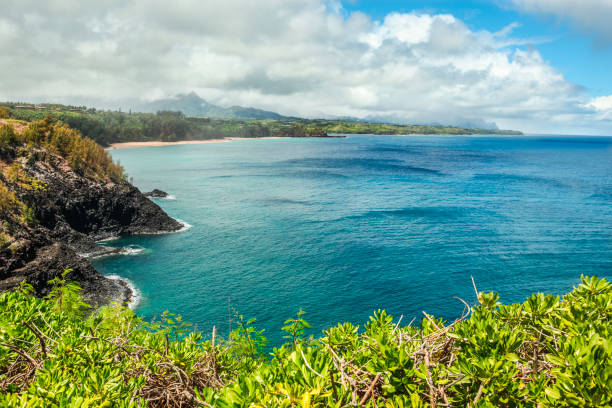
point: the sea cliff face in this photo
(80, 211)
(59, 216)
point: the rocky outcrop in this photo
(156, 194)
(51, 259)
(72, 213)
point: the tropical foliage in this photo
(44, 141)
(548, 351)
(49, 136)
(106, 127)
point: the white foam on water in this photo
(98, 254)
(111, 238)
(136, 296)
(185, 225)
(168, 197)
(132, 250)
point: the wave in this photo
(136, 296)
(104, 251)
(391, 149)
(132, 250)
(281, 201)
(602, 193)
(168, 197)
(111, 238)
(185, 225)
(113, 251)
(357, 164)
(518, 179)
(416, 212)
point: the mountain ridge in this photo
(192, 104)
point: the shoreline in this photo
(127, 145)
(130, 295)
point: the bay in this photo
(341, 227)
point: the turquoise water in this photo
(341, 227)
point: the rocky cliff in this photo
(53, 215)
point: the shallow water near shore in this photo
(341, 227)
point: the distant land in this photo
(181, 122)
(193, 105)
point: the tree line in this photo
(107, 127)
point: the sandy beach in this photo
(125, 145)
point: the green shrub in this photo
(7, 138)
(83, 154)
(5, 240)
(16, 175)
(9, 203)
(545, 352)
(28, 215)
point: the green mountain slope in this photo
(192, 105)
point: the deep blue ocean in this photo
(341, 227)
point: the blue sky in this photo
(540, 66)
(575, 53)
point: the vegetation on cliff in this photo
(59, 194)
(49, 135)
(547, 351)
(41, 141)
(106, 127)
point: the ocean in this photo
(342, 227)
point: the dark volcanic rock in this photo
(73, 212)
(80, 211)
(156, 194)
(53, 259)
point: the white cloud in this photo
(406, 28)
(297, 57)
(593, 16)
(603, 106)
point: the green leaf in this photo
(552, 393)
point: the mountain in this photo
(192, 105)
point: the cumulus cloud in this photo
(298, 57)
(593, 16)
(603, 106)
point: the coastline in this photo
(130, 296)
(127, 145)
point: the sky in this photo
(540, 66)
